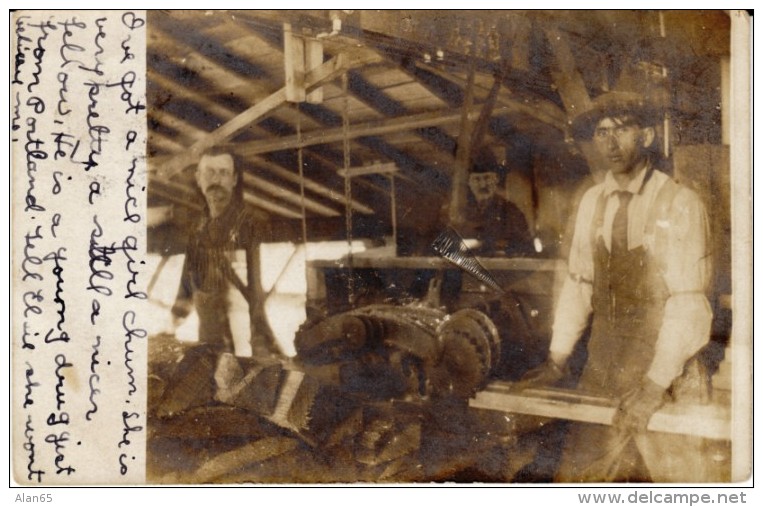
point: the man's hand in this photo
(547, 374)
(178, 314)
(638, 406)
(173, 323)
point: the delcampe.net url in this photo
(658, 497)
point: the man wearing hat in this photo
(639, 268)
(496, 223)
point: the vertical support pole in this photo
(294, 65)
(463, 150)
(567, 78)
(313, 59)
(393, 205)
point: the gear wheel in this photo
(470, 350)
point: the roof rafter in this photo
(311, 185)
(325, 72)
(542, 110)
(195, 60)
(288, 195)
(226, 113)
(371, 128)
(255, 181)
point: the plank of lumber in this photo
(709, 421)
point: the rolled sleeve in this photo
(686, 269)
(571, 316)
(573, 308)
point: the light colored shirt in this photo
(680, 247)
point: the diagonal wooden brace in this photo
(313, 79)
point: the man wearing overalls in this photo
(639, 266)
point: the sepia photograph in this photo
(382, 247)
(386, 244)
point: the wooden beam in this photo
(338, 64)
(541, 110)
(371, 128)
(376, 259)
(159, 163)
(294, 65)
(568, 80)
(183, 91)
(311, 185)
(708, 421)
(388, 168)
(223, 79)
(171, 193)
(313, 59)
(179, 190)
(460, 178)
(364, 182)
(287, 195)
(165, 143)
(181, 124)
(313, 79)
(175, 123)
(271, 206)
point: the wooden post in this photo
(567, 78)
(294, 65)
(463, 151)
(313, 59)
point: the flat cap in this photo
(615, 104)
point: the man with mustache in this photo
(497, 224)
(208, 278)
(639, 269)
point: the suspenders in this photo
(658, 212)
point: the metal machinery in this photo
(379, 393)
(359, 125)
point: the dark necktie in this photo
(620, 223)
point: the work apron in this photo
(629, 296)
